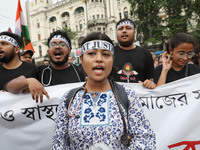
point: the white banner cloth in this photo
(173, 110)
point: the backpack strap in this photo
(120, 91)
(122, 95)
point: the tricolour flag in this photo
(21, 28)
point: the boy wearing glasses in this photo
(58, 72)
(175, 66)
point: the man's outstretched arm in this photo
(21, 83)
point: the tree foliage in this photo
(148, 23)
(154, 27)
(178, 15)
(72, 35)
(196, 8)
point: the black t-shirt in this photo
(133, 65)
(49, 76)
(8, 74)
(173, 75)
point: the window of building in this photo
(102, 16)
(80, 26)
(39, 37)
(64, 24)
(104, 30)
(99, 29)
(52, 19)
(93, 16)
(97, 16)
(79, 10)
(65, 14)
(40, 50)
(126, 14)
(38, 25)
(120, 16)
(131, 13)
(76, 28)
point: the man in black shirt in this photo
(58, 72)
(135, 64)
(11, 66)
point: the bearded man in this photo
(11, 66)
(59, 71)
(135, 64)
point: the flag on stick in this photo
(21, 29)
(9, 30)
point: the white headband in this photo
(60, 37)
(97, 44)
(126, 22)
(9, 39)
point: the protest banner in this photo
(173, 110)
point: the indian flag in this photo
(21, 28)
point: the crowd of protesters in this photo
(102, 62)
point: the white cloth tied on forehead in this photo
(126, 22)
(60, 37)
(9, 39)
(97, 44)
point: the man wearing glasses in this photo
(59, 71)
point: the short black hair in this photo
(125, 19)
(197, 49)
(96, 36)
(14, 36)
(178, 39)
(62, 33)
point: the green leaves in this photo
(72, 35)
(158, 20)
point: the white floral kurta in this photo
(98, 121)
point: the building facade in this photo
(81, 16)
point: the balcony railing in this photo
(95, 22)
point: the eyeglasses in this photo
(53, 45)
(189, 55)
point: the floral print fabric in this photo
(98, 122)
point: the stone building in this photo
(81, 16)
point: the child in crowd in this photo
(175, 62)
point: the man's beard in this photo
(59, 63)
(9, 58)
(126, 44)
